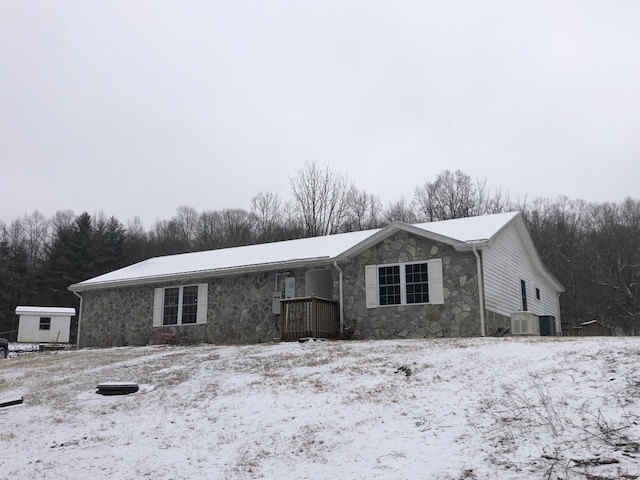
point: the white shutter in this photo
(158, 298)
(371, 285)
(203, 293)
(436, 289)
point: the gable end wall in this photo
(505, 264)
(458, 316)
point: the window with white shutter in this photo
(182, 305)
(409, 283)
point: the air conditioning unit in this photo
(525, 323)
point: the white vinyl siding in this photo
(505, 264)
(201, 309)
(30, 329)
(435, 283)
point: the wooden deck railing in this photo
(309, 317)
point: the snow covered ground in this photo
(418, 409)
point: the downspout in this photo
(480, 290)
(559, 320)
(79, 317)
(335, 264)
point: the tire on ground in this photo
(117, 388)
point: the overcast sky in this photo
(136, 107)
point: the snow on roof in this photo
(591, 322)
(288, 252)
(22, 310)
(274, 253)
(471, 228)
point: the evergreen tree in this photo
(80, 251)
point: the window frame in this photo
(436, 283)
(196, 309)
(45, 324)
(180, 312)
(523, 295)
(402, 272)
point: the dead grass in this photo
(527, 409)
(348, 390)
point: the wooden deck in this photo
(309, 317)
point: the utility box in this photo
(290, 287)
(275, 306)
(547, 325)
(525, 323)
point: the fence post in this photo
(314, 317)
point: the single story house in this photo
(44, 324)
(452, 278)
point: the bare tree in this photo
(321, 197)
(364, 212)
(615, 240)
(292, 225)
(166, 238)
(36, 232)
(266, 213)
(186, 220)
(61, 220)
(230, 227)
(455, 195)
(209, 231)
(17, 234)
(400, 211)
(237, 227)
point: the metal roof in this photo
(53, 311)
(292, 253)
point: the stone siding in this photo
(238, 311)
(239, 306)
(496, 324)
(458, 317)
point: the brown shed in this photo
(594, 328)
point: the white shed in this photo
(44, 324)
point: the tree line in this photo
(592, 248)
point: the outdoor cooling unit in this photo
(525, 323)
(547, 325)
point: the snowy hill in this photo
(421, 409)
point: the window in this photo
(523, 291)
(417, 281)
(45, 323)
(389, 285)
(404, 284)
(537, 294)
(182, 305)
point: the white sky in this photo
(135, 108)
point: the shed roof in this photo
(592, 322)
(292, 253)
(53, 311)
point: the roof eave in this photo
(195, 275)
(470, 245)
(389, 230)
